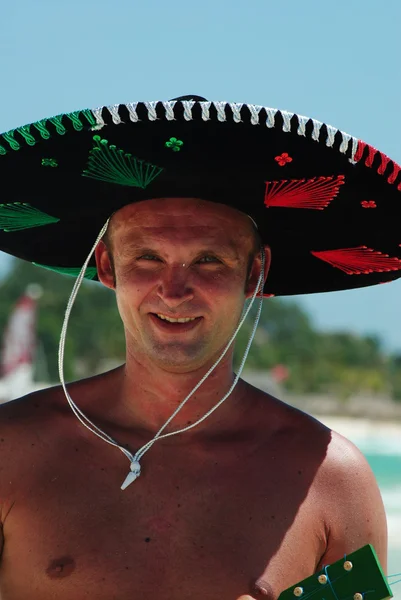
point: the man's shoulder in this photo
(31, 407)
(305, 434)
(288, 418)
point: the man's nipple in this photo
(60, 567)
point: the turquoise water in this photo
(381, 445)
(387, 468)
(384, 456)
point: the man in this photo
(258, 495)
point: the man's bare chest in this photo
(195, 530)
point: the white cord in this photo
(135, 467)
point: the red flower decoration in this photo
(368, 204)
(283, 159)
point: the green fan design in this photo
(108, 163)
(19, 215)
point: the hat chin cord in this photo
(135, 467)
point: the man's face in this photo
(178, 258)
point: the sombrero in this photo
(328, 204)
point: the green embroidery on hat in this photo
(25, 131)
(89, 116)
(174, 144)
(90, 273)
(19, 215)
(41, 127)
(57, 122)
(108, 163)
(49, 162)
(75, 118)
(9, 137)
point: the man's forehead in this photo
(168, 212)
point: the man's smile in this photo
(171, 324)
(176, 320)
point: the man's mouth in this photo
(174, 323)
(180, 320)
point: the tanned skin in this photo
(254, 499)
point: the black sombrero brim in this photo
(328, 205)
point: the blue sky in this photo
(338, 62)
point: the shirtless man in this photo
(252, 500)
(257, 496)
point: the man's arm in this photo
(354, 511)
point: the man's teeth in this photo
(183, 320)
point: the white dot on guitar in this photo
(348, 565)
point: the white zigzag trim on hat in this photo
(270, 117)
(113, 110)
(331, 132)
(97, 113)
(169, 108)
(353, 151)
(345, 143)
(302, 121)
(236, 108)
(151, 106)
(221, 111)
(254, 110)
(131, 107)
(188, 105)
(205, 106)
(286, 120)
(317, 125)
(237, 117)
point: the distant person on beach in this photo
(191, 212)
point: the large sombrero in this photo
(328, 204)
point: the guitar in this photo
(358, 576)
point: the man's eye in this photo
(208, 259)
(148, 257)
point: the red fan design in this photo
(316, 193)
(360, 260)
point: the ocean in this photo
(381, 445)
(386, 464)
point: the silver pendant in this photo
(135, 471)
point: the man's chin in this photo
(179, 358)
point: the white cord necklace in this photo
(135, 467)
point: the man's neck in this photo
(147, 395)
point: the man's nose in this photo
(174, 287)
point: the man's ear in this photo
(105, 271)
(255, 272)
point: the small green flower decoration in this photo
(49, 162)
(174, 144)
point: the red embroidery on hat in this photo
(360, 260)
(384, 161)
(359, 151)
(283, 159)
(368, 204)
(394, 174)
(314, 193)
(383, 166)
